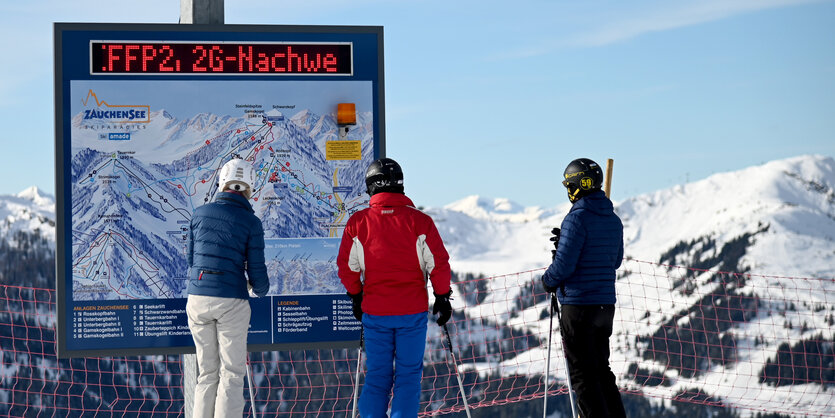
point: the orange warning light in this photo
(346, 114)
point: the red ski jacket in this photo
(396, 248)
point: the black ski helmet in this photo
(582, 177)
(384, 175)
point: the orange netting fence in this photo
(758, 344)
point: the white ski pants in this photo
(219, 328)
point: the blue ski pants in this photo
(397, 339)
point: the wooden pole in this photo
(607, 187)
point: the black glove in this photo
(443, 306)
(356, 305)
(556, 240)
(549, 289)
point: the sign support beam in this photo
(201, 12)
(209, 12)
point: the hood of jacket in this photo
(236, 199)
(596, 202)
(390, 199)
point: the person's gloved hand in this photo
(250, 291)
(556, 240)
(549, 289)
(356, 305)
(443, 306)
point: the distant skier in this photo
(226, 240)
(589, 248)
(396, 248)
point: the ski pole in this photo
(251, 390)
(357, 378)
(457, 375)
(548, 361)
(556, 306)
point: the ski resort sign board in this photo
(145, 116)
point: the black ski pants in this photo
(586, 330)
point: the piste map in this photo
(145, 155)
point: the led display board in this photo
(109, 57)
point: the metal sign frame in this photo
(72, 63)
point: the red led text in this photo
(225, 58)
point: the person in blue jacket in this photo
(589, 248)
(226, 244)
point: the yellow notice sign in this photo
(343, 150)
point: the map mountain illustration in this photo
(134, 188)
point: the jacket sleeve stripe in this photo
(425, 256)
(356, 259)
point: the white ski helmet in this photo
(237, 175)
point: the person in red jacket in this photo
(386, 255)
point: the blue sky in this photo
(496, 98)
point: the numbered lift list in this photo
(274, 320)
(122, 325)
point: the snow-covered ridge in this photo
(38, 197)
(498, 209)
(792, 199)
(30, 210)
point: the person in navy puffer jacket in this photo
(589, 248)
(226, 243)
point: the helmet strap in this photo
(573, 196)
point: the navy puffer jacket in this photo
(224, 235)
(589, 252)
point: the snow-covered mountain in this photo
(31, 211)
(785, 207)
(27, 240)
(727, 335)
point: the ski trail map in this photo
(145, 154)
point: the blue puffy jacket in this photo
(589, 251)
(225, 239)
